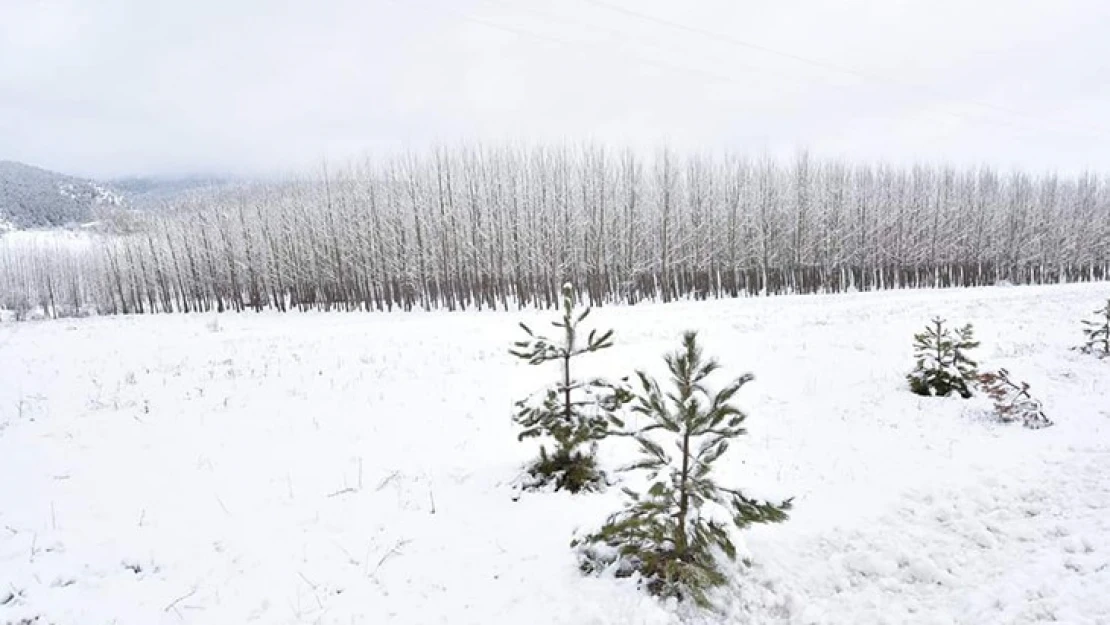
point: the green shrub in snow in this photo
(1097, 333)
(943, 364)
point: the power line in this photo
(576, 47)
(809, 61)
(686, 70)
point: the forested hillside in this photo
(32, 198)
(505, 227)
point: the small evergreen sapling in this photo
(1012, 401)
(1097, 333)
(943, 364)
(674, 534)
(573, 413)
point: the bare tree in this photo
(491, 228)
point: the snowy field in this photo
(55, 238)
(358, 468)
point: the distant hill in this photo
(31, 197)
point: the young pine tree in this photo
(943, 364)
(674, 534)
(1097, 333)
(1012, 401)
(573, 413)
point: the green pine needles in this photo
(673, 535)
(572, 413)
(943, 365)
(1097, 333)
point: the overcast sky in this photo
(123, 87)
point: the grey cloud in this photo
(134, 87)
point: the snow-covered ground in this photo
(357, 468)
(55, 238)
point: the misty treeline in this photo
(506, 227)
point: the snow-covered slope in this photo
(32, 197)
(348, 468)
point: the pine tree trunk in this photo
(683, 497)
(566, 388)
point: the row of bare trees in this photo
(499, 228)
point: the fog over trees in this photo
(470, 228)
